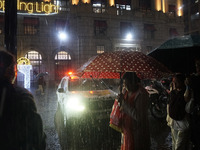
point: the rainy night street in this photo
(103, 74)
(47, 104)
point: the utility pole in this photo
(11, 26)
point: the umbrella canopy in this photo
(41, 74)
(181, 42)
(111, 65)
(179, 53)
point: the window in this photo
(63, 4)
(62, 64)
(36, 62)
(62, 55)
(100, 27)
(149, 48)
(98, 6)
(1, 24)
(172, 10)
(194, 9)
(122, 5)
(61, 25)
(145, 4)
(34, 57)
(149, 30)
(173, 32)
(125, 28)
(100, 49)
(31, 26)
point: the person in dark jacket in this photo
(192, 94)
(21, 127)
(41, 85)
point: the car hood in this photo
(95, 94)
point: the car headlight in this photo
(74, 103)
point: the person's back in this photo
(41, 80)
(195, 85)
(195, 111)
(178, 118)
(20, 125)
(177, 105)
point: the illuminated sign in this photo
(23, 66)
(23, 61)
(33, 7)
(25, 69)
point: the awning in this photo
(149, 27)
(172, 8)
(31, 21)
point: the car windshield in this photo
(86, 85)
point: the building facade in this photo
(191, 11)
(59, 36)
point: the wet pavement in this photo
(47, 105)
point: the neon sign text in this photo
(33, 7)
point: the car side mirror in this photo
(61, 90)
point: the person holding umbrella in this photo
(41, 84)
(134, 108)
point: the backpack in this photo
(177, 105)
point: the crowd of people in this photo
(21, 127)
(183, 112)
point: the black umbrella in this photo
(179, 53)
(42, 74)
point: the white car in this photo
(83, 112)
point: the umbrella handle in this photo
(120, 89)
(121, 85)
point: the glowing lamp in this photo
(62, 36)
(91, 92)
(74, 104)
(129, 36)
(69, 73)
(25, 69)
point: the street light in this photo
(129, 36)
(62, 36)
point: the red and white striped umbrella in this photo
(110, 65)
